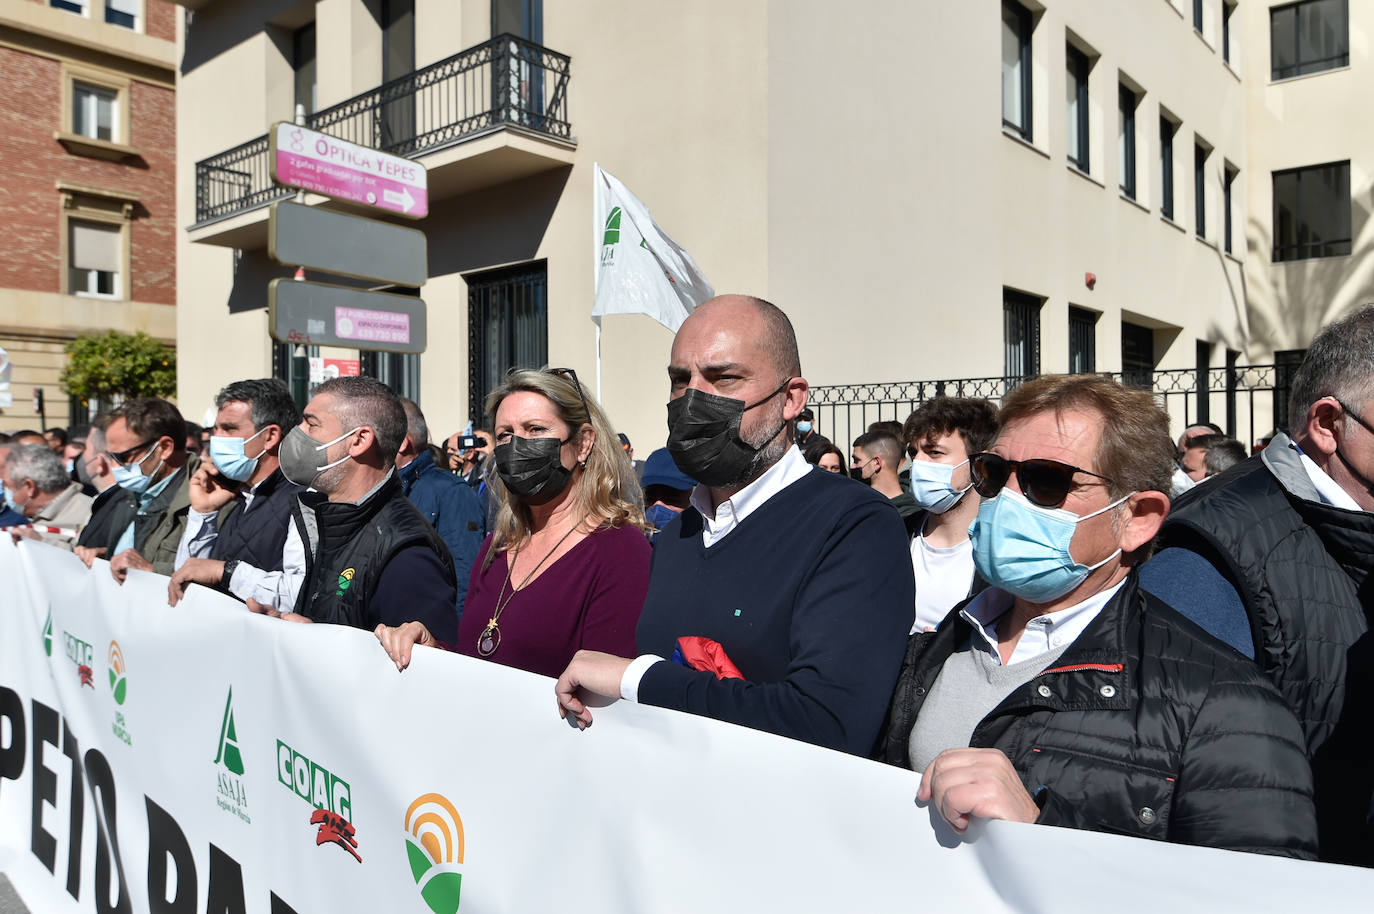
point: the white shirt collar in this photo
(1043, 633)
(1327, 490)
(730, 513)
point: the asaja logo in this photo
(232, 798)
(345, 579)
(47, 634)
(118, 684)
(434, 844)
(612, 227)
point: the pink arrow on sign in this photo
(314, 161)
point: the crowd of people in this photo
(1048, 607)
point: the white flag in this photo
(639, 269)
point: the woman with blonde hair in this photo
(566, 565)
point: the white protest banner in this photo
(205, 759)
(639, 268)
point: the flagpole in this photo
(600, 397)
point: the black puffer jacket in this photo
(1145, 726)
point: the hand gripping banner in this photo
(203, 758)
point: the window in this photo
(123, 13)
(94, 256)
(508, 327)
(1021, 334)
(71, 6)
(1286, 364)
(1082, 341)
(1200, 153)
(1309, 37)
(1166, 167)
(398, 60)
(398, 370)
(1227, 201)
(303, 62)
(95, 112)
(1077, 99)
(1312, 212)
(521, 18)
(1202, 386)
(1197, 16)
(1125, 139)
(1137, 356)
(1016, 69)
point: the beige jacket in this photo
(70, 509)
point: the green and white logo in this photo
(47, 634)
(612, 227)
(435, 845)
(232, 797)
(119, 687)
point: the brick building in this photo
(87, 200)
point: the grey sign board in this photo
(307, 236)
(320, 314)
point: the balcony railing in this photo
(504, 82)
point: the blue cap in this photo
(660, 470)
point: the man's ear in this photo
(363, 439)
(1320, 431)
(795, 397)
(1147, 511)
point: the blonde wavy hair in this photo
(605, 492)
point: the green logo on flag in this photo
(612, 227)
(435, 845)
(118, 683)
(47, 634)
(228, 753)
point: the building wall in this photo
(1308, 120)
(40, 48)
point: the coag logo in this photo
(434, 844)
(118, 684)
(345, 579)
(82, 654)
(328, 793)
(47, 634)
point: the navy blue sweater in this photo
(811, 597)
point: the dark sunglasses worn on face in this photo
(123, 457)
(1045, 483)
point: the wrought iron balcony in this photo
(504, 83)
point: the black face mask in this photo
(704, 439)
(856, 473)
(531, 468)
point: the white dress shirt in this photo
(1043, 633)
(718, 524)
(1330, 493)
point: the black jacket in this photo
(347, 546)
(1301, 568)
(256, 533)
(1145, 726)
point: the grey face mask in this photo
(303, 458)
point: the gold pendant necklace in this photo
(490, 639)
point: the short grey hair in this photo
(416, 427)
(39, 463)
(366, 401)
(1340, 364)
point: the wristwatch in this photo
(224, 578)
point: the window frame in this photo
(1085, 321)
(1168, 129)
(1230, 173)
(1126, 140)
(97, 207)
(66, 7)
(141, 9)
(1201, 153)
(1025, 39)
(1077, 66)
(1300, 67)
(120, 145)
(1227, 10)
(1018, 304)
(1348, 241)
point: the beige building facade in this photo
(845, 161)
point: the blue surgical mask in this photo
(659, 516)
(1024, 548)
(804, 428)
(8, 495)
(131, 477)
(932, 485)
(227, 455)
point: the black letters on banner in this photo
(12, 756)
(78, 812)
(280, 907)
(226, 884)
(43, 845)
(101, 778)
(166, 839)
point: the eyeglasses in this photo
(1044, 482)
(1354, 415)
(123, 457)
(573, 376)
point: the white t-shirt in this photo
(943, 577)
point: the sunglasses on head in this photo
(1045, 483)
